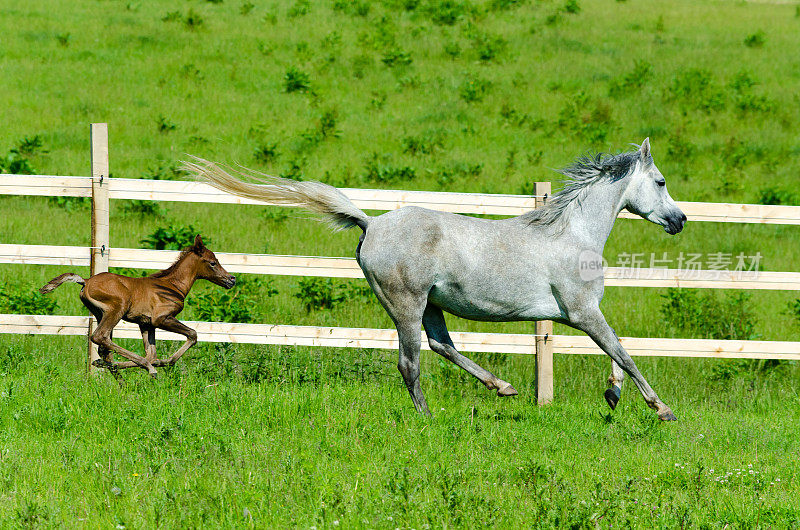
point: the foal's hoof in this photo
(667, 415)
(507, 391)
(153, 374)
(612, 396)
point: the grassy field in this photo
(482, 96)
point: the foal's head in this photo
(208, 267)
(647, 194)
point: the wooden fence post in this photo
(544, 329)
(100, 217)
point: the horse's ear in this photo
(198, 244)
(644, 150)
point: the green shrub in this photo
(30, 146)
(299, 8)
(63, 39)
(396, 58)
(708, 316)
(142, 208)
(172, 238)
(70, 204)
(632, 81)
(163, 171)
(25, 301)
(325, 293)
(238, 304)
(266, 153)
(590, 121)
(775, 195)
(474, 89)
(378, 170)
(488, 47)
(679, 148)
(755, 40)
(697, 89)
(445, 12)
(193, 21)
(296, 81)
(164, 125)
(319, 293)
(572, 7)
(16, 164)
(425, 144)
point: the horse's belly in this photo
(494, 306)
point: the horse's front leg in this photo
(174, 325)
(614, 391)
(594, 324)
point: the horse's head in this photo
(209, 268)
(647, 195)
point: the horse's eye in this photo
(661, 182)
(213, 264)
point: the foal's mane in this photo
(578, 177)
(169, 270)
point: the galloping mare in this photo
(422, 262)
(152, 302)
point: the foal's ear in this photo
(644, 150)
(198, 246)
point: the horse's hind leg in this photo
(440, 342)
(410, 335)
(406, 310)
(614, 390)
(106, 359)
(102, 337)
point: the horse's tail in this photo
(318, 197)
(58, 280)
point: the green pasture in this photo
(451, 95)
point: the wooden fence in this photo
(101, 255)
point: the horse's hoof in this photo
(667, 415)
(612, 396)
(507, 391)
(154, 374)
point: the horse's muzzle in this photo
(230, 281)
(675, 223)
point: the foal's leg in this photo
(614, 390)
(102, 337)
(174, 325)
(149, 340)
(106, 359)
(440, 342)
(594, 324)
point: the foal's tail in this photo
(318, 197)
(58, 280)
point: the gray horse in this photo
(422, 262)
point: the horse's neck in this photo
(593, 218)
(184, 274)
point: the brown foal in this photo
(152, 302)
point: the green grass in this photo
(389, 94)
(319, 440)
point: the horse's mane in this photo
(169, 270)
(578, 177)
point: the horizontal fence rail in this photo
(348, 267)
(470, 203)
(278, 334)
